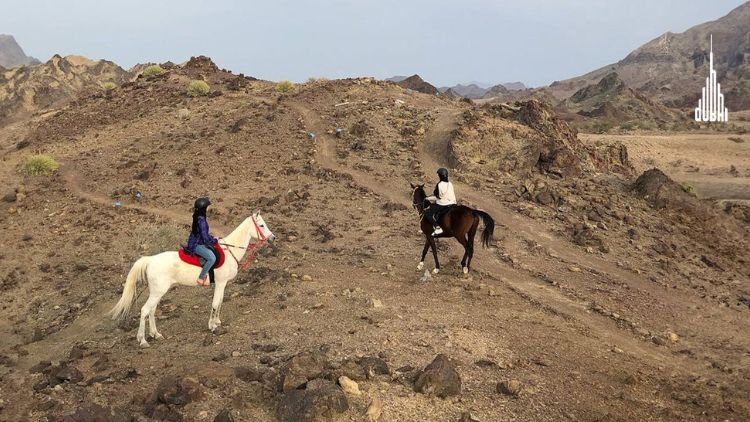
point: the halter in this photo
(252, 248)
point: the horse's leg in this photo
(213, 320)
(433, 245)
(424, 251)
(470, 244)
(461, 237)
(151, 302)
(152, 319)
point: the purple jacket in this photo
(203, 237)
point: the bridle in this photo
(252, 248)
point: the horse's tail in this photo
(489, 227)
(136, 274)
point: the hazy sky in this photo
(445, 41)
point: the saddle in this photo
(438, 211)
(443, 209)
(196, 260)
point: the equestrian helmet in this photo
(202, 203)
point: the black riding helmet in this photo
(202, 203)
(443, 174)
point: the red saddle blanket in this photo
(195, 259)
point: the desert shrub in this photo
(284, 86)
(153, 70)
(314, 79)
(41, 165)
(602, 126)
(689, 189)
(198, 88)
(108, 86)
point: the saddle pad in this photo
(195, 259)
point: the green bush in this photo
(314, 79)
(41, 165)
(689, 189)
(198, 88)
(284, 86)
(108, 86)
(153, 70)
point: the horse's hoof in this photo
(420, 266)
(436, 270)
(145, 345)
(158, 336)
(466, 270)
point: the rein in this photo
(418, 207)
(252, 247)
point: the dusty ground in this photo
(717, 166)
(630, 331)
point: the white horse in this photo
(166, 269)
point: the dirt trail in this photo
(326, 156)
(72, 181)
(533, 290)
(436, 145)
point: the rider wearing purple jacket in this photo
(200, 241)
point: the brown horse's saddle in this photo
(436, 212)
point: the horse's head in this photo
(264, 229)
(418, 197)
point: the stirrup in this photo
(438, 231)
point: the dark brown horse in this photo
(460, 222)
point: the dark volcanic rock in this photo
(69, 374)
(321, 399)
(95, 413)
(301, 369)
(177, 391)
(373, 366)
(439, 378)
(416, 83)
(224, 416)
(248, 374)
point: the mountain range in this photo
(11, 54)
(672, 67)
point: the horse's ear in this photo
(422, 185)
(256, 213)
(413, 186)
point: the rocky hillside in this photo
(611, 103)
(30, 89)
(672, 68)
(11, 54)
(416, 83)
(523, 138)
(474, 91)
(576, 311)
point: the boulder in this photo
(302, 368)
(509, 387)
(373, 366)
(320, 399)
(177, 391)
(93, 412)
(439, 378)
(224, 416)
